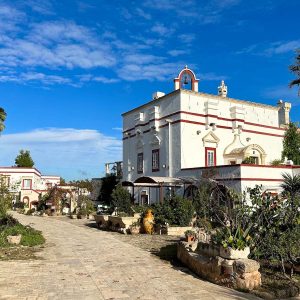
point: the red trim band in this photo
(204, 116)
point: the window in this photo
(49, 185)
(140, 163)
(155, 160)
(210, 157)
(27, 184)
(254, 160)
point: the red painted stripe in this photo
(204, 116)
(243, 165)
(248, 179)
(218, 126)
(232, 120)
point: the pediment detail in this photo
(210, 138)
(155, 140)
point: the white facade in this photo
(192, 130)
(29, 183)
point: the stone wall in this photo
(205, 261)
(177, 230)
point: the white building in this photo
(181, 134)
(27, 183)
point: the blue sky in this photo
(68, 68)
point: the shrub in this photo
(276, 230)
(276, 162)
(202, 199)
(121, 200)
(89, 206)
(5, 197)
(174, 211)
(8, 220)
(19, 204)
(249, 160)
(30, 211)
(203, 223)
(30, 236)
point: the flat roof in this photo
(247, 102)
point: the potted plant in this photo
(190, 236)
(234, 242)
(135, 227)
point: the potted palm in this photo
(190, 236)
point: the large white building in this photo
(27, 183)
(181, 134)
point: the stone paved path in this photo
(80, 262)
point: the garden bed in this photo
(275, 285)
(29, 242)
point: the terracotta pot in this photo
(148, 222)
(135, 229)
(190, 238)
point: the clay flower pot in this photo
(134, 229)
(190, 238)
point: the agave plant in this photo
(235, 238)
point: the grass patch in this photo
(10, 226)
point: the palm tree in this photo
(291, 185)
(296, 70)
(2, 118)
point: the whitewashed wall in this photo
(190, 115)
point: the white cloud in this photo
(161, 29)
(211, 76)
(160, 72)
(247, 50)
(274, 48)
(105, 79)
(118, 128)
(56, 45)
(34, 77)
(282, 92)
(143, 14)
(9, 18)
(41, 6)
(283, 47)
(177, 52)
(63, 151)
(142, 59)
(202, 12)
(187, 38)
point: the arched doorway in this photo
(26, 201)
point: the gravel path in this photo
(81, 262)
